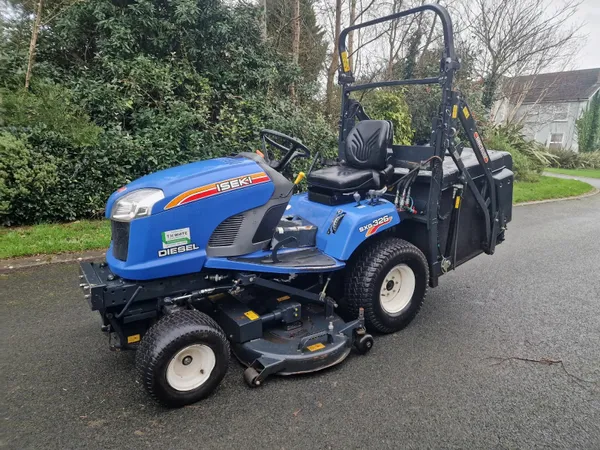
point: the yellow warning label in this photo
(133, 338)
(454, 111)
(466, 112)
(457, 202)
(283, 299)
(345, 62)
(315, 347)
(251, 315)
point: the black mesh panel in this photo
(120, 239)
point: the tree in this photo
(39, 13)
(263, 20)
(33, 42)
(282, 22)
(516, 37)
(295, 43)
(588, 126)
(334, 60)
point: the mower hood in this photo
(197, 177)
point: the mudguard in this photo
(358, 222)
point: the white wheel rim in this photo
(191, 367)
(397, 289)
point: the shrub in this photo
(529, 159)
(567, 159)
(391, 105)
(25, 179)
(48, 107)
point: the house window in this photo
(560, 113)
(556, 140)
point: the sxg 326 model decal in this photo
(372, 227)
(216, 188)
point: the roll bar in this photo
(345, 69)
(453, 108)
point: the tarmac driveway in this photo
(463, 375)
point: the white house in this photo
(548, 105)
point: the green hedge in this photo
(45, 177)
(124, 89)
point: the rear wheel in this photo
(389, 280)
(182, 358)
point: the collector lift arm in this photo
(486, 198)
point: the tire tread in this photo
(360, 281)
(155, 342)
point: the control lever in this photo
(374, 195)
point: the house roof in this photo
(557, 87)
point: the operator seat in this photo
(364, 163)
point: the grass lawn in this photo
(54, 238)
(590, 173)
(95, 234)
(547, 188)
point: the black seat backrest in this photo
(367, 144)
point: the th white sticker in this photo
(174, 238)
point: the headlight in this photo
(135, 204)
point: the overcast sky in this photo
(589, 14)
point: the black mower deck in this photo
(306, 347)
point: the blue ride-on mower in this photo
(222, 256)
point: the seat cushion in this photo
(343, 179)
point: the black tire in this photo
(367, 273)
(165, 340)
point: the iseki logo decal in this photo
(234, 184)
(372, 227)
(217, 188)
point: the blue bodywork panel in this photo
(359, 223)
(201, 216)
(180, 179)
(196, 201)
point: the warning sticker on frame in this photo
(345, 62)
(481, 147)
(315, 347)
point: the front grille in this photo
(225, 234)
(120, 239)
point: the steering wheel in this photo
(295, 148)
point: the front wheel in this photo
(389, 280)
(182, 358)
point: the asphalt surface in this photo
(452, 379)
